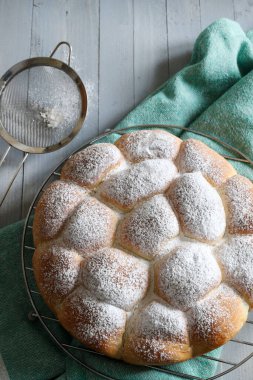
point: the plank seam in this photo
(23, 169)
(134, 92)
(167, 32)
(99, 38)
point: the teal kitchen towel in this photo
(212, 93)
(222, 55)
(27, 351)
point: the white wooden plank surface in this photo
(244, 14)
(116, 68)
(215, 9)
(15, 32)
(183, 28)
(122, 50)
(77, 22)
(151, 58)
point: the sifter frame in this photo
(32, 294)
(13, 142)
(56, 64)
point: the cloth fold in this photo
(211, 94)
(222, 55)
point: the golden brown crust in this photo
(97, 325)
(216, 319)
(157, 335)
(235, 257)
(117, 287)
(237, 193)
(90, 166)
(136, 351)
(91, 227)
(54, 207)
(56, 271)
(146, 230)
(196, 156)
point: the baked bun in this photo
(237, 194)
(54, 208)
(91, 226)
(196, 156)
(144, 248)
(146, 230)
(198, 206)
(117, 287)
(57, 272)
(236, 260)
(139, 182)
(216, 319)
(158, 334)
(100, 326)
(188, 274)
(90, 166)
(142, 145)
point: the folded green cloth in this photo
(212, 94)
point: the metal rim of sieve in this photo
(12, 141)
(57, 64)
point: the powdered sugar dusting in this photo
(106, 275)
(140, 181)
(96, 322)
(187, 275)
(159, 321)
(158, 335)
(55, 206)
(196, 156)
(92, 226)
(159, 351)
(199, 207)
(175, 289)
(236, 258)
(59, 270)
(148, 227)
(141, 145)
(212, 316)
(90, 166)
(238, 193)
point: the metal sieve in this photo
(43, 104)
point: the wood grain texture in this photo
(123, 50)
(151, 58)
(183, 28)
(77, 22)
(215, 9)
(15, 31)
(244, 13)
(116, 68)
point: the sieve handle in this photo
(58, 45)
(5, 155)
(15, 174)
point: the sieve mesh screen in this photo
(40, 106)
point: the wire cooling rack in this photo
(234, 353)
